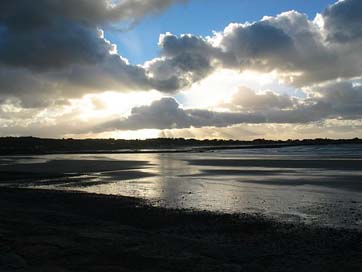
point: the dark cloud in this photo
(37, 89)
(167, 114)
(51, 34)
(258, 41)
(22, 15)
(62, 45)
(186, 59)
(56, 49)
(341, 99)
(343, 21)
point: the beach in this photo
(317, 185)
(288, 209)
(66, 231)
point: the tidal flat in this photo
(284, 209)
(71, 231)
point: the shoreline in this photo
(182, 149)
(43, 230)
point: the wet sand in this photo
(277, 208)
(320, 186)
(330, 164)
(70, 172)
(67, 231)
(63, 167)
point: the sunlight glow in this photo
(119, 134)
(222, 84)
(108, 105)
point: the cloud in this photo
(302, 52)
(335, 100)
(336, 129)
(167, 114)
(163, 113)
(186, 59)
(62, 52)
(56, 49)
(51, 34)
(341, 99)
(343, 21)
(249, 100)
(24, 15)
(51, 51)
(35, 89)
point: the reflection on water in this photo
(308, 184)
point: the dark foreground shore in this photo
(59, 231)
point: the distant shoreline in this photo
(39, 146)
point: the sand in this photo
(59, 171)
(290, 187)
(67, 231)
(332, 164)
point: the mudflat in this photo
(43, 230)
(317, 163)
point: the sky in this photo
(200, 17)
(233, 69)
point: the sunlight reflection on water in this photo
(326, 195)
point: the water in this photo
(312, 184)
